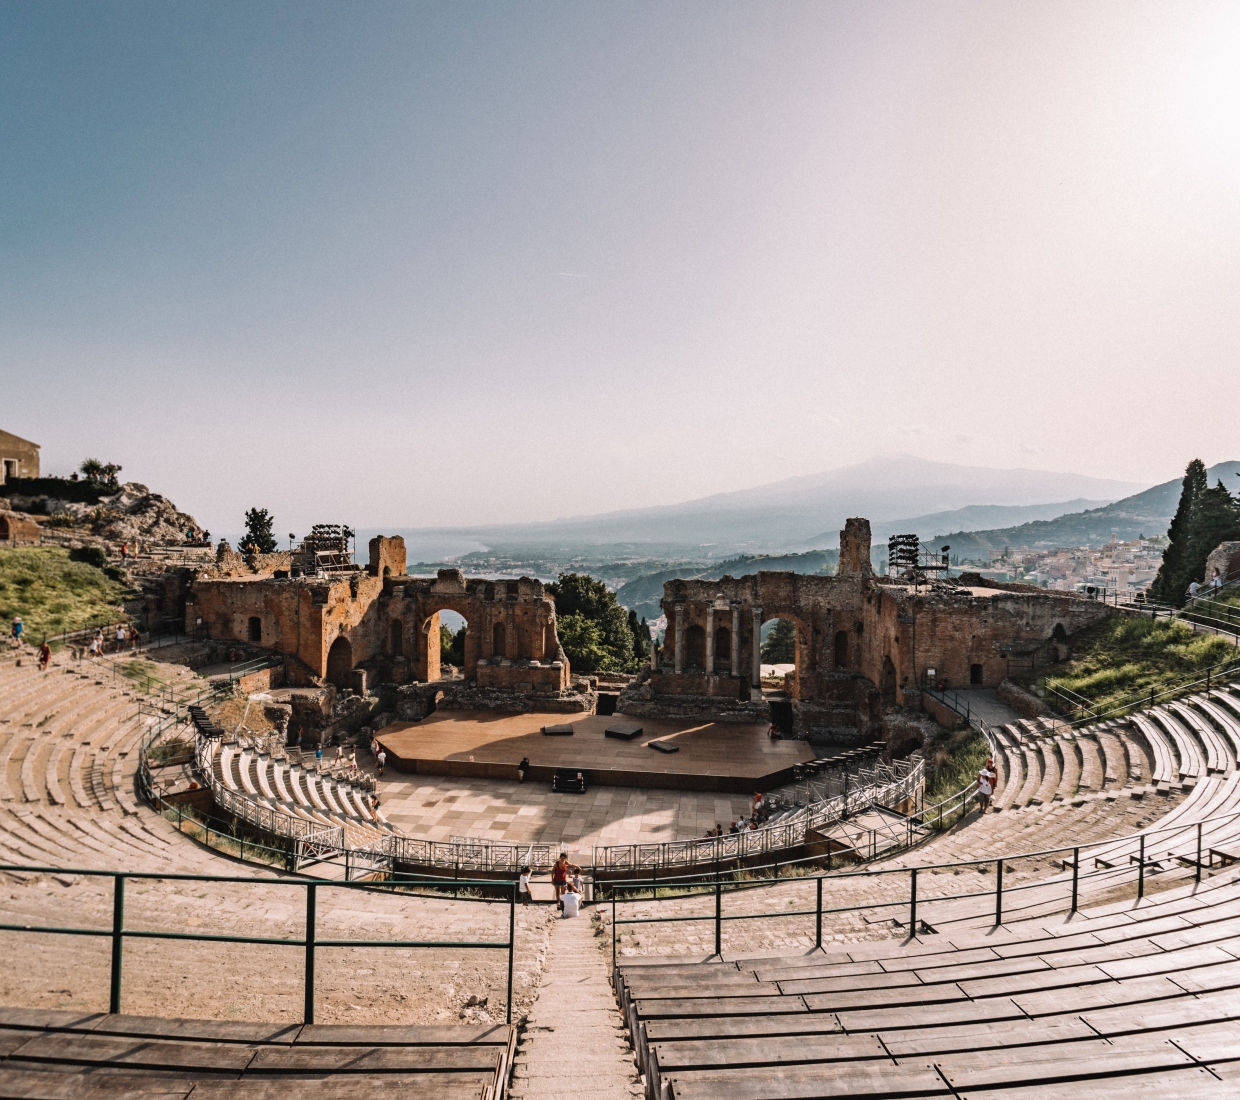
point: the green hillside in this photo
(52, 593)
(1148, 513)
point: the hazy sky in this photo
(463, 263)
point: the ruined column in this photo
(680, 638)
(510, 632)
(710, 639)
(736, 640)
(756, 670)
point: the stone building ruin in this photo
(864, 644)
(352, 627)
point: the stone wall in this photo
(1226, 559)
(385, 622)
(864, 644)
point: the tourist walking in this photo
(985, 786)
(121, 637)
(45, 656)
(523, 886)
(17, 628)
(133, 637)
(523, 769)
(381, 759)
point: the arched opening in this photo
(887, 683)
(398, 638)
(256, 629)
(340, 663)
(723, 650)
(841, 649)
(695, 648)
(453, 633)
(977, 675)
(779, 650)
(499, 640)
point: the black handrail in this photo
(309, 940)
(1102, 869)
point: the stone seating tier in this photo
(59, 1053)
(1091, 1006)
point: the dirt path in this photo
(575, 1042)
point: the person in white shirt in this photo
(571, 902)
(523, 886)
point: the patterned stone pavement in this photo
(438, 808)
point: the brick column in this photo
(680, 638)
(710, 640)
(736, 640)
(756, 664)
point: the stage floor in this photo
(712, 756)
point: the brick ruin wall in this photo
(386, 622)
(864, 645)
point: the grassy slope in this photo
(1125, 656)
(52, 593)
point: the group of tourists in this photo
(566, 881)
(1216, 582)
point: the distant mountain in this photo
(642, 594)
(976, 517)
(1147, 513)
(789, 515)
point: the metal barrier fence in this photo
(1116, 862)
(891, 785)
(310, 941)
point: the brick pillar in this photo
(736, 640)
(680, 638)
(710, 640)
(756, 663)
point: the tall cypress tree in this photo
(1173, 574)
(1215, 519)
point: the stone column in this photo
(680, 638)
(654, 655)
(510, 633)
(756, 669)
(710, 639)
(736, 640)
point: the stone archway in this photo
(340, 663)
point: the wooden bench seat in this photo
(73, 1054)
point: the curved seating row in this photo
(1099, 1001)
(297, 790)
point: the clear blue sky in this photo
(434, 264)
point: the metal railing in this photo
(309, 940)
(1206, 679)
(1181, 845)
(890, 785)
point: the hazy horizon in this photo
(446, 265)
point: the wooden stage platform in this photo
(713, 756)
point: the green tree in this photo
(641, 638)
(258, 536)
(452, 646)
(780, 647)
(92, 469)
(578, 594)
(584, 644)
(1215, 519)
(1173, 574)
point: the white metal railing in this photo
(258, 814)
